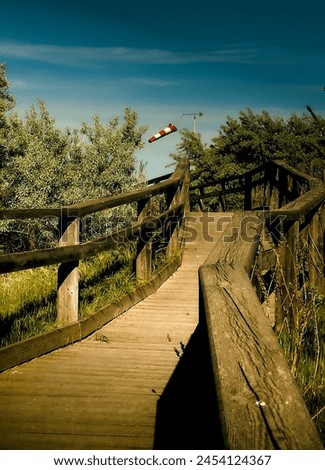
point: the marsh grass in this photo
(302, 332)
(305, 352)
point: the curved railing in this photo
(259, 403)
(282, 209)
(173, 187)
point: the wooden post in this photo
(144, 246)
(274, 192)
(248, 193)
(283, 186)
(173, 228)
(222, 199)
(286, 276)
(185, 198)
(68, 275)
(316, 260)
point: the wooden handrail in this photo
(91, 206)
(268, 183)
(62, 254)
(259, 404)
(69, 251)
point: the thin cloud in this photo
(85, 56)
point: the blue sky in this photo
(164, 60)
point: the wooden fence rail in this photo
(69, 250)
(260, 405)
(294, 214)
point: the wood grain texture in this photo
(104, 392)
(260, 405)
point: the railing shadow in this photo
(187, 411)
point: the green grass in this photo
(305, 353)
(28, 298)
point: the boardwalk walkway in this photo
(128, 386)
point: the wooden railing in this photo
(260, 405)
(168, 221)
(294, 216)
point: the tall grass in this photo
(301, 333)
(305, 352)
(28, 298)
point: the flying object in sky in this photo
(168, 130)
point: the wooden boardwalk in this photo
(141, 382)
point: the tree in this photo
(102, 163)
(192, 148)
(48, 167)
(102, 158)
(252, 139)
(7, 102)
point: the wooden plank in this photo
(33, 347)
(39, 441)
(96, 394)
(260, 405)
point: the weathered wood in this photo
(301, 206)
(239, 241)
(260, 405)
(36, 258)
(315, 243)
(144, 245)
(248, 193)
(286, 277)
(172, 226)
(104, 392)
(36, 346)
(68, 275)
(6, 214)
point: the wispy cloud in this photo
(84, 56)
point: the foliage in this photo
(7, 102)
(48, 167)
(305, 352)
(252, 139)
(301, 328)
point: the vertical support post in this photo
(283, 185)
(315, 241)
(173, 228)
(200, 203)
(222, 199)
(267, 187)
(185, 198)
(68, 274)
(144, 246)
(274, 192)
(248, 193)
(287, 281)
